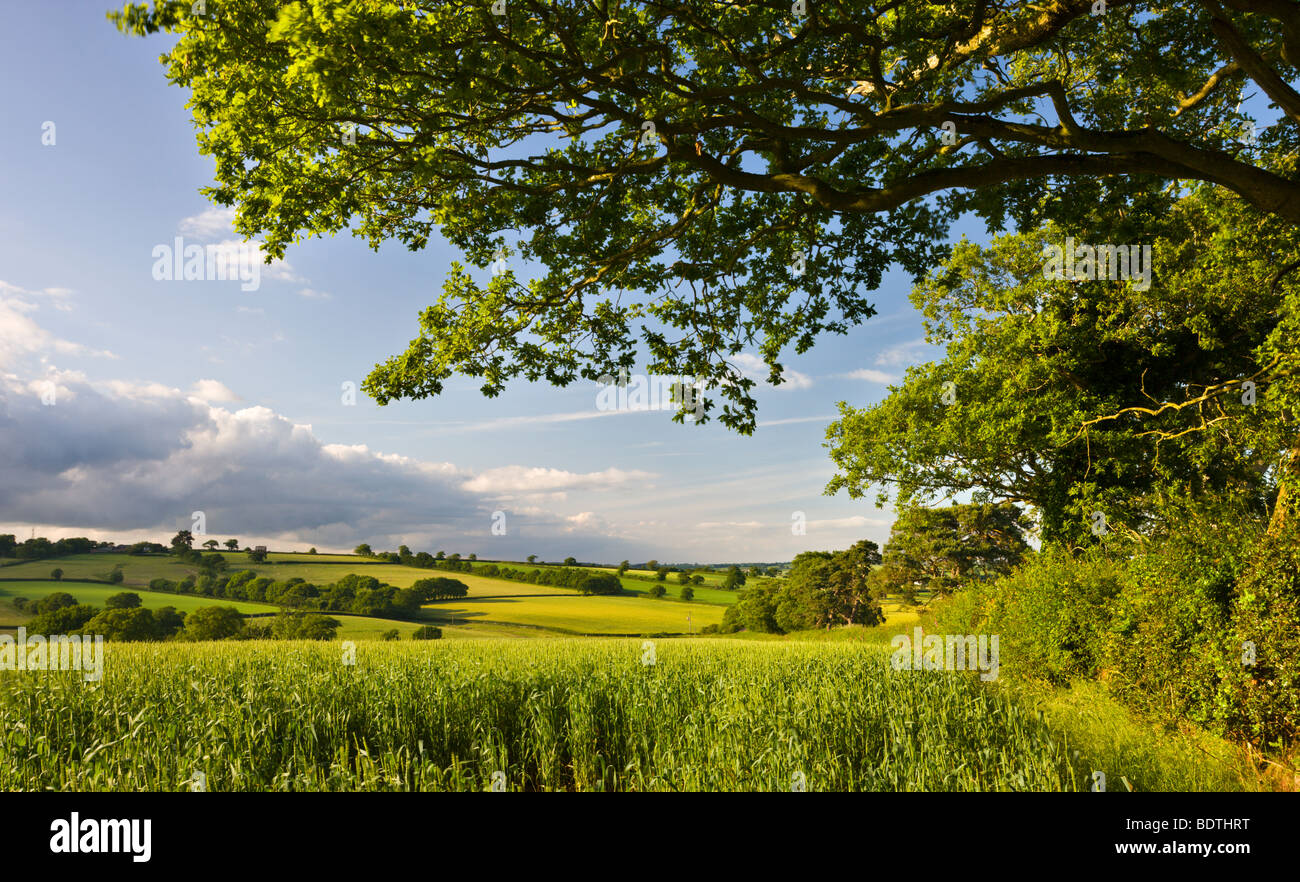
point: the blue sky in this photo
(173, 397)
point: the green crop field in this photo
(584, 615)
(538, 715)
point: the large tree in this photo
(1067, 396)
(692, 179)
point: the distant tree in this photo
(214, 564)
(697, 579)
(213, 623)
(303, 626)
(54, 600)
(68, 619)
(773, 571)
(183, 540)
(661, 573)
(623, 567)
(391, 634)
(942, 549)
(570, 561)
(427, 632)
(211, 544)
(256, 556)
(683, 578)
(441, 555)
(440, 588)
(532, 558)
(123, 600)
(311, 550)
(755, 572)
(56, 574)
(652, 564)
(123, 624)
(363, 550)
(473, 557)
(232, 544)
(601, 583)
(656, 591)
(7, 544)
(735, 579)
(116, 576)
(167, 621)
(688, 593)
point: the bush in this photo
(656, 591)
(1050, 615)
(123, 600)
(688, 593)
(1262, 701)
(392, 634)
(56, 574)
(427, 632)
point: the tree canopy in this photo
(693, 179)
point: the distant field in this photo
(585, 615)
(703, 593)
(138, 570)
(492, 599)
(96, 595)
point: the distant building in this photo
(261, 548)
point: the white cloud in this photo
(209, 223)
(21, 336)
(755, 368)
(312, 294)
(792, 420)
(855, 521)
(870, 375)
(903, 354)
(213, 392)
(522, 479)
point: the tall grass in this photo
(564, 715)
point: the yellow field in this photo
(584, 615)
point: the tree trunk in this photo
(1288, 495)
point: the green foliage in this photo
(427, 632)
(1050, 615)
(213, 623)
(655, 591)
(56, 574)
(63, 619)
(601, 583)
(942, 549)
(303, 626)
(1263, 697)
(1041, 371)
(123, 600)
